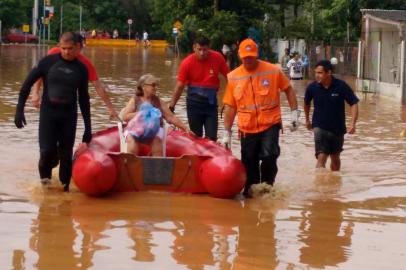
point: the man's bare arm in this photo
(306, 109)
(101, 91)
(177, 92)
(229, 116)
(354, 118)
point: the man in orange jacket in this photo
(253, 95)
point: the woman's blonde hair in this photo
(144, 79)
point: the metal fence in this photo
(345, 52)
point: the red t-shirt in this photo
(203, 73)
(89, 66)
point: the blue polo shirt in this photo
(329, 106)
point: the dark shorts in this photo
(327, 142)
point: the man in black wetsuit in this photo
(65, 82)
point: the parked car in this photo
(17, 36)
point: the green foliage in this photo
(191, 26)
(224, 21)
(298, 28)
(223, 28)
(15, 13)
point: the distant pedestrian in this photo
(145, 39)
(285, 58)
(284, 61)
(295, 66)
(306, 64)
(227, 54)
(115, 34)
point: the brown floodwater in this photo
(313, 219)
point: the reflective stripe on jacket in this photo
(256, 96)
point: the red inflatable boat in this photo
(192, 165)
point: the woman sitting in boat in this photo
(148, 107)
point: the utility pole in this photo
(35, 18)
(60, 28)
(80, 19)
(348, 20)
(312, 19)
(43, 28)
(215, 5)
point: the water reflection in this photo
(74, 233)
(325, 233)
(53, 235)
(142, 241)
(18, 259)
(187, 250)
(323, 230)
(325, 220)
(256, 241)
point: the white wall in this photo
(390, 90)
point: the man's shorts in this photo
(327, 142)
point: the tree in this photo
(15, 13)
(221, 19)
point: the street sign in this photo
(175, 31)
(49, 12)
(130, 22)
(177, 24)
(26, 28)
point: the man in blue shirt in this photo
(328, 122)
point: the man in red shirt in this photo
(200, 73)
(93, 77)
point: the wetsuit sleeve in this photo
(84, 104)
(36, 73)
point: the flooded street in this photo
(354, 219)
